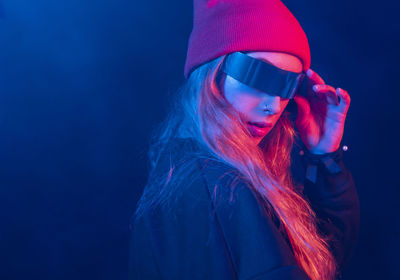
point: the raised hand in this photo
(321, 115)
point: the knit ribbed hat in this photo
(225, 26)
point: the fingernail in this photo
(309, 72)
(315, 87)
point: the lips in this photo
(259, 129)
(261, 124)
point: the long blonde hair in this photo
(201, 110)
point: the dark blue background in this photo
(82, 83)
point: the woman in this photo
(232, 192)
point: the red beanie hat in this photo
(225, 26)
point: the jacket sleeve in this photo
(330, 189)
(257, 248)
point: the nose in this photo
(272, 104)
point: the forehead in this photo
(281, 60)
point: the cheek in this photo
(241, 99)
(243, 103)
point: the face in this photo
(258, 109)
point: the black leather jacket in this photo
(215, 233)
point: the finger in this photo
(327, 92)
(314, 77)
(344, 99)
